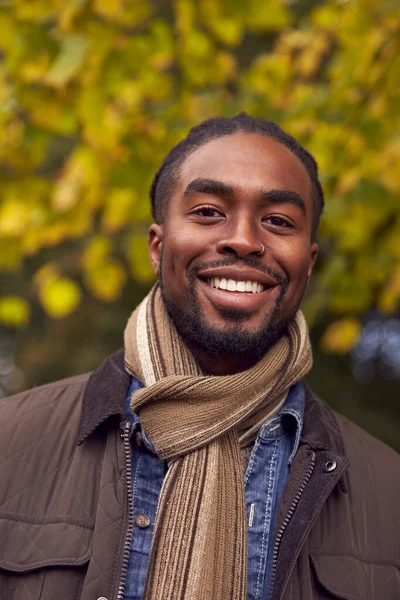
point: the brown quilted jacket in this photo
(65, 505)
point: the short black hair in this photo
(166, 177)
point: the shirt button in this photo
(142, 521)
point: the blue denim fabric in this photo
(265, 479)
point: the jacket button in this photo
(330, 465)
(102, 598)
(142, 521)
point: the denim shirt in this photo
(266, 476)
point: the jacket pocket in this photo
(42, 559)
(350, 578)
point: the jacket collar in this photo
(104, 395)
(107, 387)
(320, 430)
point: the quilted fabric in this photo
(61, 505)
(63, 500)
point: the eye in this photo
(207, 212)
(278, 222)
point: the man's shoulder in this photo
(374, 467)
(355, 440)
(57, 397)
(368, 453)
(46, 390)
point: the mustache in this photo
(279, 277)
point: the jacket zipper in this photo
(129, 531)
(289, 515)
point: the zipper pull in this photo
(126, 429)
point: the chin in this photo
(233, 338)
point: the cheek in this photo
(296, 265)
(177, 254)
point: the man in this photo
(195, 464)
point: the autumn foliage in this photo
(93, 94)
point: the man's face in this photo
(233, 195)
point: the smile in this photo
(231, 285)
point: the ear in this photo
(154, 240)
(313, 258)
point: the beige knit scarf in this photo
(199, 549)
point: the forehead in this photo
(247, 161)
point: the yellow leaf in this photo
(390, 296)
(225, 67)
(14, 311)
(59, 296)
(138, 256)
(106, 281)
(66, 191)
(198, 45)
(97, 252)
(56, 118)
(80, 180)
(340, 336)
(109, 8)
(33, 71)
(271, 16)
(69, 60)
(326, 17)
(7, 30)
(348, 181)
(185, 15)
(14, 216)
(119, 209)
(33, 10)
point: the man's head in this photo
(230, 188)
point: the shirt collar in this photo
(290, 417)
(292, 409)
(134, 417)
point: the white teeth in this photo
(235, 286)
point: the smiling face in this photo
(234, 194)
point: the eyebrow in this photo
(283, 197)
(214, 187)
(209, 186)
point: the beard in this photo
(234, 339)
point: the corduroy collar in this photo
(104, 395)
(107, 388)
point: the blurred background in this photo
(93, 94)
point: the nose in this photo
(241, 239)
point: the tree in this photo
(94, 94)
